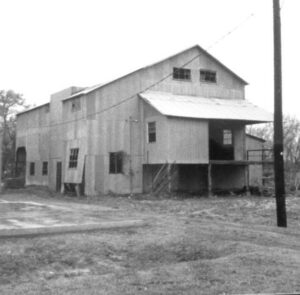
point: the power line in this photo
(154, 84)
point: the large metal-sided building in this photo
(178, 124)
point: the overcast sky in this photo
(48, 45)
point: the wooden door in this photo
(58, 176)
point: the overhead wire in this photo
(152, 85)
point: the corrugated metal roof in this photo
(205, 108)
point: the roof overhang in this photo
(206, 108)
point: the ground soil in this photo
(221, 245)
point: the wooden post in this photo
(278, 129)
(169, 178)
(247, 180)
(130, 156)
(1, 141)
(209, 181)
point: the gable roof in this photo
(203, 51)
(205, 108)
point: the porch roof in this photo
(197, 107)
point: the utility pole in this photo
(1, 143)
(278, 129)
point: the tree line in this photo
(291, 143)
(11, 103)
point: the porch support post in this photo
(247, 180)
(169, 178)
(209, 181)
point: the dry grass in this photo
(192, 246)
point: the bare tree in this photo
(10, 103)
(291, 133)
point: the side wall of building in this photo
(33, 135)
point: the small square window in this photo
(181, 74)
(208, 76)
(73, 160)
(227, 137)
(45, 168)
(115, 163)
(151, 132)
(32, 168)
(75, 104)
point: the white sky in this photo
(48, 45)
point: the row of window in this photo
(185, 75)
(115, 161)
(32, 168)
(227, 134)
(178, 74)
(116, 158)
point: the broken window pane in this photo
(73, 158)
(227, 137)
(115, 163)
(45, 168)
(151, 132)
(208, 76)
(181, 74)
(32, 168)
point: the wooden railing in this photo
(260, 155)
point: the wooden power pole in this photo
(1, 143)
(278, 129)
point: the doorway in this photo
(58, 176)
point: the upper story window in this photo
(73, 161)
(151, 132)
(227, 137)
(47, 108)
(208, 76)
(115, 163)
(182, 74)
(75, 104)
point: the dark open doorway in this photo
(21, 162)
(221, 141)
(58, 176)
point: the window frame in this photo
(73, 158)
(182, 74)
(204, 72)
(227, 138)
(115, 162)
(45, 168)
(32, 168)
(151, 135)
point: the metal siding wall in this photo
(33, 134)
(227, 85)
(155, 152)
(188, 141)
